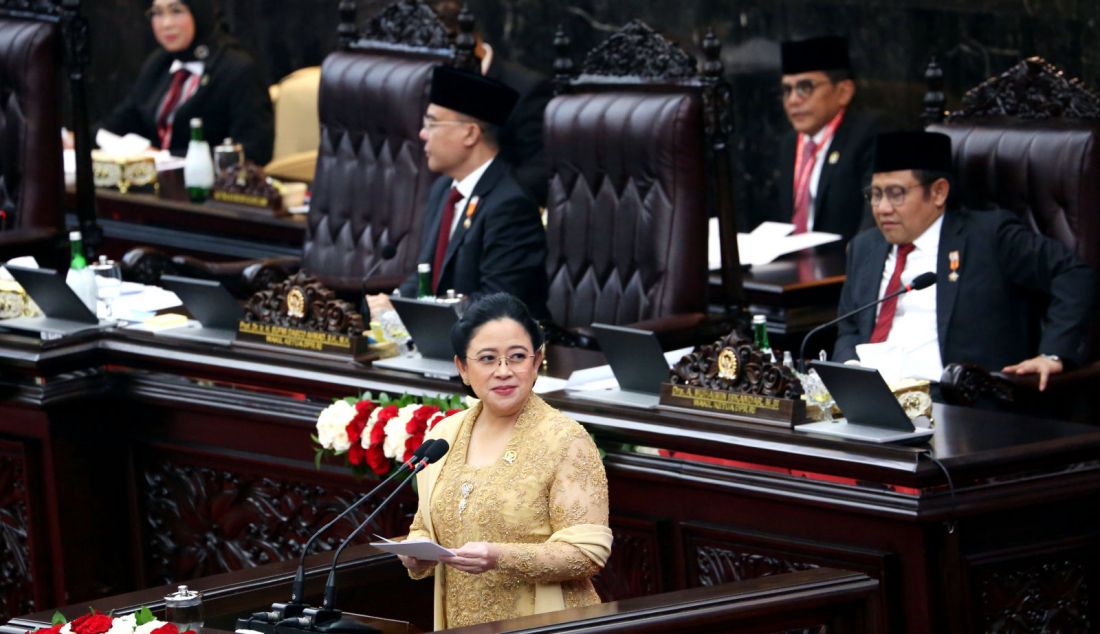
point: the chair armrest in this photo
(241, 277)
(383, 283)
(146, 264)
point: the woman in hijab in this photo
(198, 71)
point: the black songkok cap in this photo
(473, 95)
(817, 53)
(929, 151)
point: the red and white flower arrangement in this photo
(140, 622)
(375, 433)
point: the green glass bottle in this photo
(760, 334)
(424, 280)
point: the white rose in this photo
(123, 624)
(364, 439)
(66, 628)
(149, 627)
(396, 435)
(332, 425)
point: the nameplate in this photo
(735, 404)
(301, 339)
(248, 200)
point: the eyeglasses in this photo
(895, 194)
(173, 11)
(803, 88)
(489, 360)
(429, 124)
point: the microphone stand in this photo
(281, 613)
(328, 618)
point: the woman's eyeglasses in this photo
(489, 360)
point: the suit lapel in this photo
(952, 238)
(484, 185)
(840, 137)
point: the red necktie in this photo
(444, 234)
(889, 307)
(801, 218)
(171, 100)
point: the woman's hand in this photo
(416, 566)
(474, 557)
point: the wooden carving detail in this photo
(300, 301)
(246, 183)
(1032, 89)
(755, 373)
(633, 570)
(638, 51)
(408, 23)
(934, 99)
(200, 521)
(717, 565)
(1049, 597)
(16, 575)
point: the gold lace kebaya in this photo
(549, 478)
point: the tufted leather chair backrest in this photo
(1047, 172)
(626, 216)
(372, 177)
(31, 178)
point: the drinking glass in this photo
(108, 283)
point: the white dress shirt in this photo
(466, 188)
(912, 349)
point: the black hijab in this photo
(209, 33)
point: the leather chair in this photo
(297, 125)
(31, 179)
(372, 178)
(630, 163)
(1029, 141)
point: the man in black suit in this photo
(826, 159)
(987, 265)
(483, 233)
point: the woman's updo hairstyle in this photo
(489, 308)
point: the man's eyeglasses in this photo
(172, 11)
(895, 194)
(803, 88)
(489, 360)
(428, 123)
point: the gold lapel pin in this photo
(834, 156)
(510, 456)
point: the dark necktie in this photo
(801, 218)
(444, 235)
(171, 101)
(889, 307)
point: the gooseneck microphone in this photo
(922, 281)
(329, 619)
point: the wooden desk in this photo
(796, 293)
(208, 231)
(133, 460)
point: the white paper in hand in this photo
(428, 551)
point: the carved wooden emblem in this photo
(408, 23)
(639, 51)
(733, 377)
(300, 313)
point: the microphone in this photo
(296, 608)
(328, 619)
(385, 254)
(922, 281)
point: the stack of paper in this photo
(765, 243)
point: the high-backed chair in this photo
(297, 125)
(372, 177)
(32, 60)
(636, 147)
(1028, 141)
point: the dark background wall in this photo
(891, 42)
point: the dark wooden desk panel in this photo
(1019, 513)
(796, 293)
(209, 231)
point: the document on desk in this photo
(426, 550)
(768, 241)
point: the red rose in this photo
(92, 624)
(356, 453)
(411, 445)
(53, 629)
(167, 628)
(455, 411)
(377, 461)
(365, 407)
